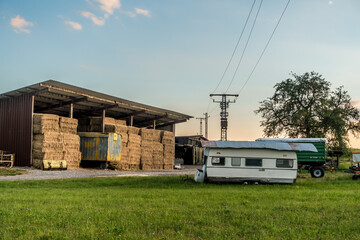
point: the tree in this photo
(306, 107)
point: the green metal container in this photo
(100, 147)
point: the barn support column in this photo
(71, 114)
(103, 120)
(131, 120)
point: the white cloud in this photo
(74, 25)
(95, 19)
(109, 6)
(20, 24)
(331, 2)
(143, 12)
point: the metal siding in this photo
(16, 129)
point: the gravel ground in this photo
(35, 174)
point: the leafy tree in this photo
(306, 107)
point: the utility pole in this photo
(224, 105)
(201, 119)
(206, 124)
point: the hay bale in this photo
(120, 122)
(168, 137)
(47, 155)
(45, 123)
(168, 166)
(95, 124)
(37, 163)
(133, 130)
(68, 125)
(47, 146)
(70, 141)
(121, 128)
(146, 134)
(157, 135)
(134, 139)
(158, 147)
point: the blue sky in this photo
(171, 54)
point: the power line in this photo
(267, 44)
(243, 53)
(237, 44)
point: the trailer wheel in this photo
(317, 172)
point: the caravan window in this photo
(235, 161)
(218, 161)
(254, 162)
(284, 163)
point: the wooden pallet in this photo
(7, 159)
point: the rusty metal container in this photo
(100, 146)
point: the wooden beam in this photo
(152, 119)
(134, 113)
(62, 104)
(169, 123)
(131, 120)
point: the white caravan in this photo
(258, 162)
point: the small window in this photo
(235, 161)
(255, 162)
(220, 161)
(284, 163)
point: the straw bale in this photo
(72, 156)
(133, 130)
(158, 147)
(157, 166)
(109, 128)
(134, 167)
(169, 159)
(47, 146)
(47, 155)
(157, 135)
(39, 118)
(169, 148)
(71, 141)
(134, 139)
(98, 120)
(119, 128)
(146, 134)
(120, 122)
(48, 127)
(124, 138)
(45, 123)
(147, 144)
(48, 137)
(68, 125)
(168, 138)
(37, 163)
(168, 166)
(146, 166)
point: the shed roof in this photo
(307, 140)
(281, 146)
(56, 97)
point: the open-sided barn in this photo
(17, 109)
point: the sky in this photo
(172, 54)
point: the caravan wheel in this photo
(317, 172)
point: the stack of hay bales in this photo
(121, 129)
(168, 140)
(71, 142)
(55, 138)
(134, 148)
(152, 150)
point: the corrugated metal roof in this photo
(309, 140)
(281, 146)
(56, 97)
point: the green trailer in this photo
(312, 161)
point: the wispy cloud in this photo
(19, 24)
(138, 11)
(143, 12)
(109, 6)
(74, 25)
(331, 2)
(95, 19)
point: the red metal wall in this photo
(16, 128)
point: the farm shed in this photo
(189, 149)
(52, 97)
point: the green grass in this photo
(177, 208)
(11, 172)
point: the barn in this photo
(17, 109)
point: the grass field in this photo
(177, 208)
(11, 172)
